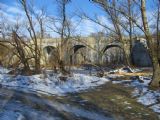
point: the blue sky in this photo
(75, 5)
(10, 9)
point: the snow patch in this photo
(3, 70)
(142, 92)
(148, 98)
(156, 108)
(11, 115)
(52, 84)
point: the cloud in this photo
(85, 27)
(3, 5)
(11, 9)
(14, 10)
(11, 13)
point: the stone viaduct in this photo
(88, 49)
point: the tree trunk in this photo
(33, 37)
(156, 76)
(127, 57)
(62, 68)
(152, 51)
(37, 66)
(130, 31)
(21, 52)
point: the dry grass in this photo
(135, 74)
(144, 72)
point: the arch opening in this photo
(77, 47)
(78, 54)
(111, 46)
(113, 54)
(48, 49)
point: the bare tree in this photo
(99, 38)
(41, 18)
(33, 36)
(152, 47)
(158, 28)
(118, 29)
(63, 29)
(17, 47)
(21, 53)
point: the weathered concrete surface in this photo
(140, 55)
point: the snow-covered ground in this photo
(51, 84)
(146, 96)
(3, 70)
(142, 93)
(79, 81)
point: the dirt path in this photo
(107, 102)
(117, 99)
